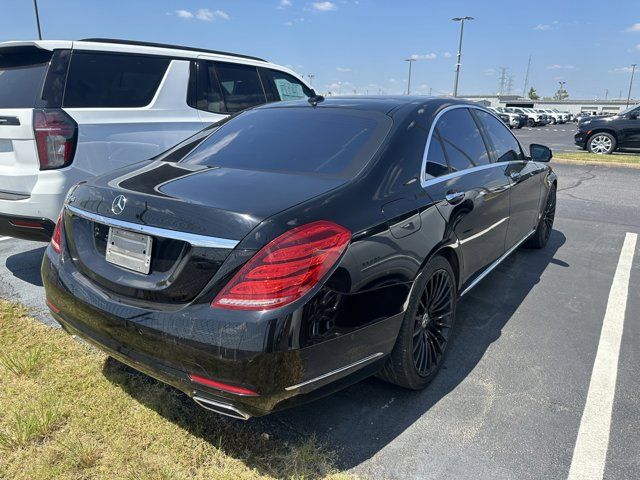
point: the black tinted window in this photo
(209, 95)
(21, 75)
(113, 80)
(436, 163)
(462, 140)
(505, 144)
(295, 140)
(240, 85)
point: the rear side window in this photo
(106, 80)
(506, 146)
(462, 140)
(209, 95)
(22, 72)
(323, 141)
(240, 85)
(436, 163)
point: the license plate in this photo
(129, 250)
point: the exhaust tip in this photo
(221, 408)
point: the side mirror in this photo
(540, 153)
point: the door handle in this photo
(514, 175)
(454, 197)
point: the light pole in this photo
(633, 70)
(410, 61)
(461, 20)
(311, 77)
(35, 6)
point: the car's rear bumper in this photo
(26, 228)
(171, 345)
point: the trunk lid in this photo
(177, 203)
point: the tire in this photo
(541, 236)
(531, 122)
(601, 143)
(553, 121)
(422, 341)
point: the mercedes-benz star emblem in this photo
(118, 204)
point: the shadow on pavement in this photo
(361, 420)
(26, 265)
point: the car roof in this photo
(382, 104)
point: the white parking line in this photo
(590, 452)
(2, 239)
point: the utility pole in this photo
(606, 93)
(509, 84)
(410, 61)
(35, 6)
(311, 77)
(526, 78)
(459, 63)
(633, 71)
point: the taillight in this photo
(222, 386)
(56, 238)
(56, 135)
(286, 268)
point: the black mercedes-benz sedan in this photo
(297, 247)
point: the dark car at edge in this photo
(607, 134)
(297, 248)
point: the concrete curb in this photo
(594, 162)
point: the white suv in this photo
(73, 110)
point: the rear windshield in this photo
(324, 141)
(111, 80)
(21, 73)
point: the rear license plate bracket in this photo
(129, 250)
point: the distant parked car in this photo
(523, 118)
(534, 119)
(72, 110)
(605, 135)
(554, 115)
(509, 119)
(515, 120)
(546, 118)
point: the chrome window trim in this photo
(193, 239)
(425, 182)
(335, 372)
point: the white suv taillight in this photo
(286, 268)
(56, 135)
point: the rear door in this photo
(129, 107)
(22, 72)
(523, 175)
(470, 191)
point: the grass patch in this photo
(627, 158)
(68, 412)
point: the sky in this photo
(360, 45)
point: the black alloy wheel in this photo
(541, 236)
(433, 322)
(426, 328)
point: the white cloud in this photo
(489, 71)
(633, 28)
(288, 24)
(426, 56)
(343, 69)
(284, 4)
(446, 54)
(291, 23)
(542, 27)
(556, 66)
(621, 70)
(324, 6)
(638, 47)
(203, 14)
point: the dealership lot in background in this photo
(558, 138)
(510, 398)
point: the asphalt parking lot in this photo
(558, 138)
(510, 399)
